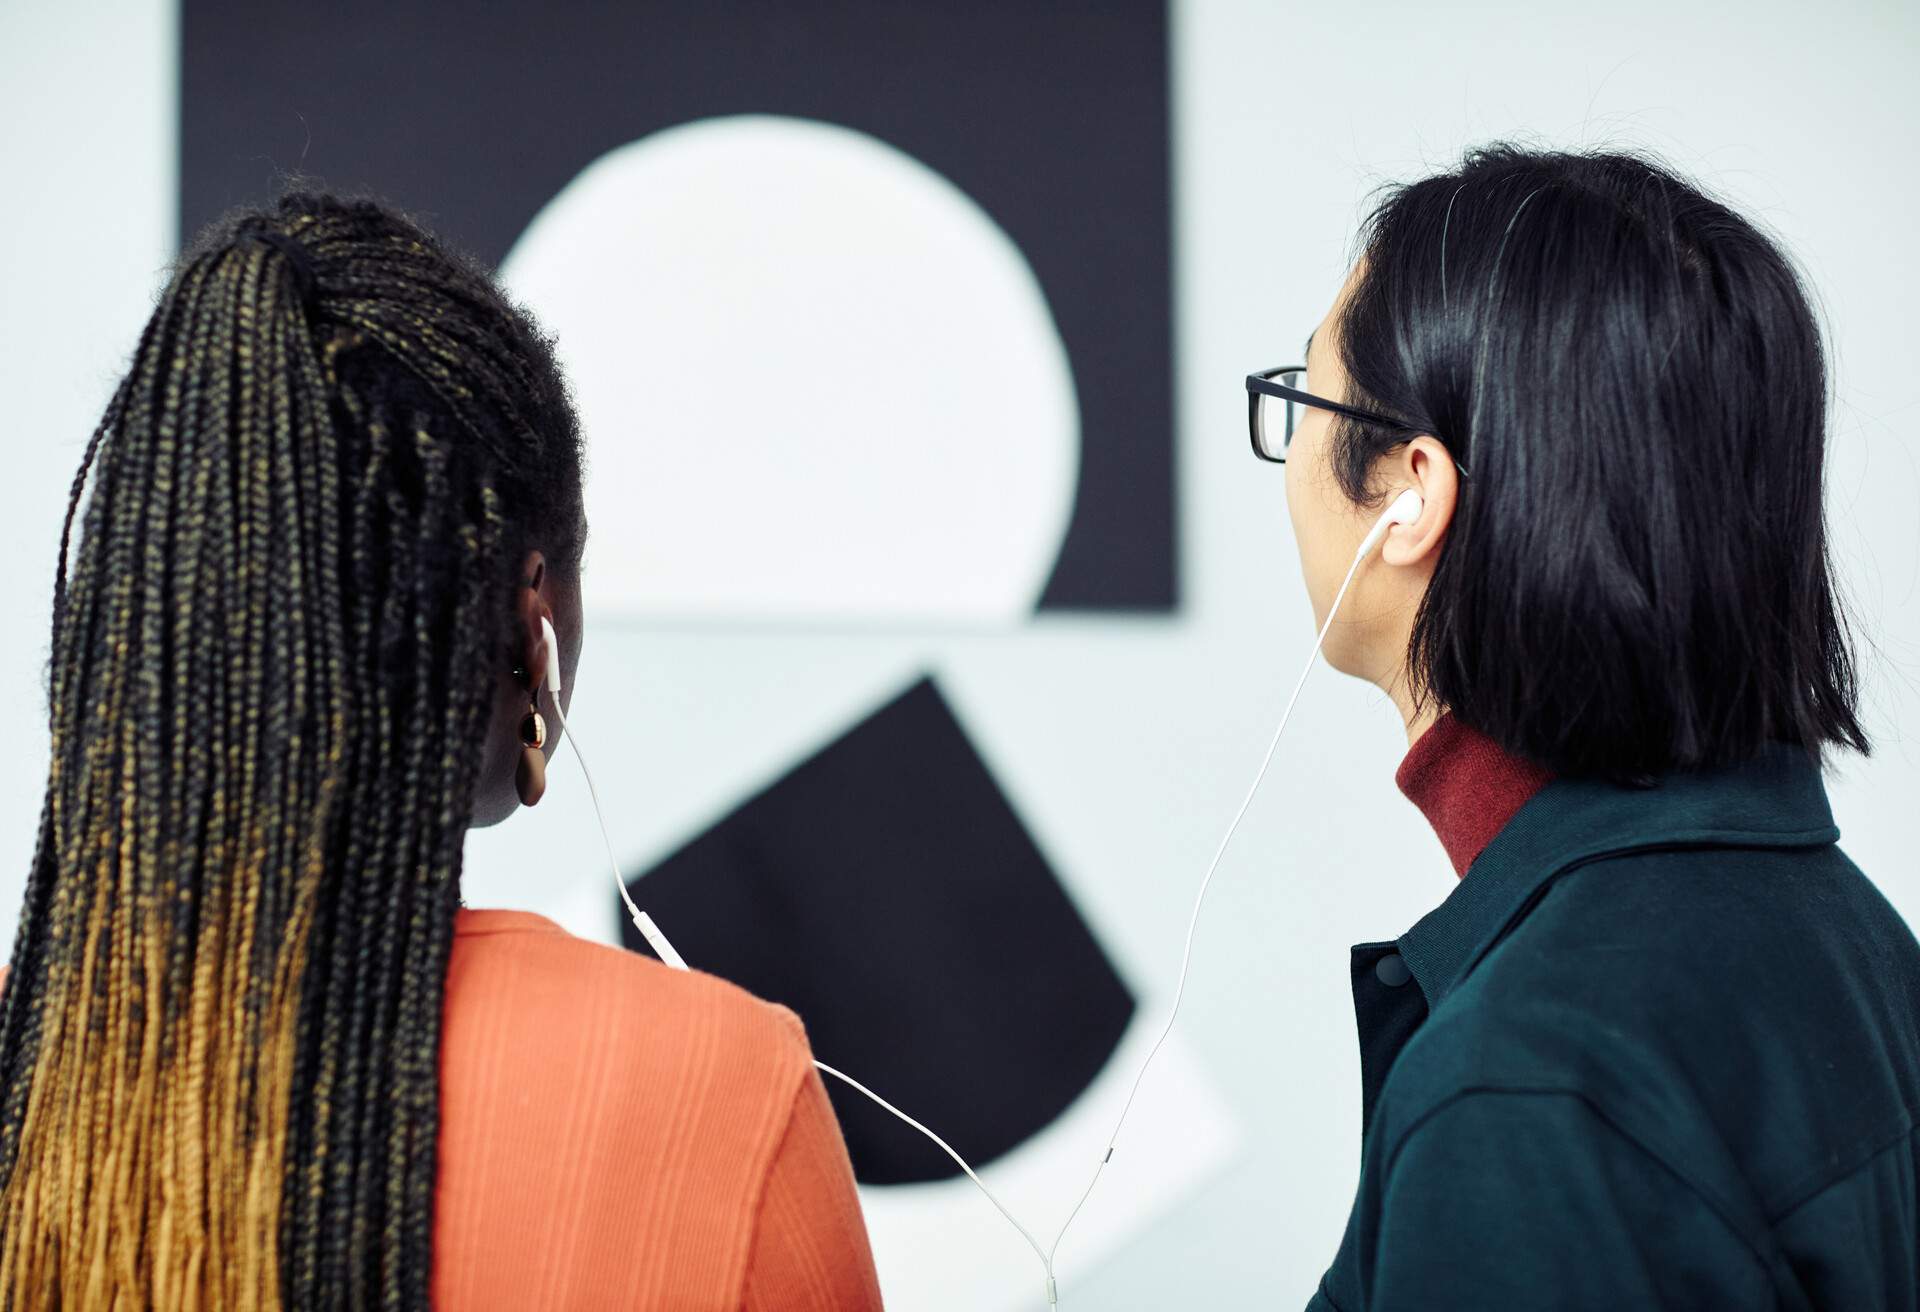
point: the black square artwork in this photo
(1052, 117)
(886, 891)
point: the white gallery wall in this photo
(1123, 745)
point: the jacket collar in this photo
(1774, 800)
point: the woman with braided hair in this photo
(253, 1051)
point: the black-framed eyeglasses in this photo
(1273, 432)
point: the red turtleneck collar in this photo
(1467, 786)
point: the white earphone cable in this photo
(641, 920)
(658, 940)
(1193, 920)
(854, 1084)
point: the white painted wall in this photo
(1125, 745)
(88, 163)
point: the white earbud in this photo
(1405, 509)
(553, 655)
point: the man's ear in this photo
(530, 606)
(1424, 465)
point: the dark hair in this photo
(1636, 577)
(272, 676)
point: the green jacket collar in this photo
(1776, 800)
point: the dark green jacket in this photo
(1660, 1048)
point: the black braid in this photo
(271, 683)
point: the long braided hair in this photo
(272, 676)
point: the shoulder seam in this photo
(764, 1178)
(1599, 1114)
(1840, 1175)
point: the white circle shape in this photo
(818, 382)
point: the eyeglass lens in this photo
(1278, 416)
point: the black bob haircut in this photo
(1636, 579)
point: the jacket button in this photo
(1392, 971)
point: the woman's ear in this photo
(1424, 465)
(530, 605)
